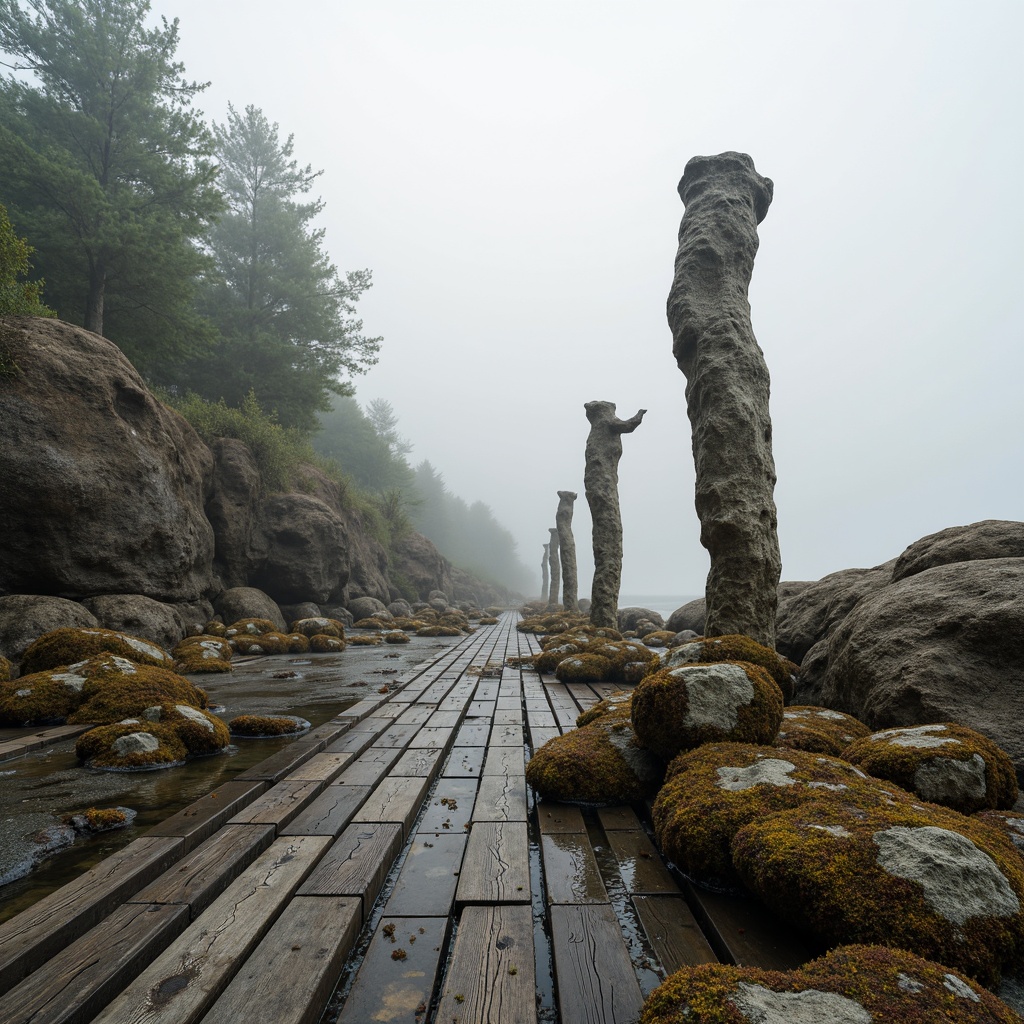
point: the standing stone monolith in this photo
(567, 551)
(727, 388)
(554, 567)
(601, 483)
(544, 573)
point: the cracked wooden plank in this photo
(329, 813)
(496, 868)
(673, 932)
(425, 886)
(571, 874)
(394, 799)
(279, 804)
(501, 798)
(201, 818)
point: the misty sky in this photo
(508, 171)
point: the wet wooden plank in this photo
(76, 983)
(491, 978)
(508, 716)
(450, 808)
(329, 813)
(743, 931)
(290, 976)
(555, 818)
(363, 709)
(279, 804)
(394, 799)
(496, 868)
(487, 689)
(398, 735)
(501, 798)
(640, 864)
(465, 762)
(618, 818)
(540, 719)
(428, 737)
(357, 739)
(596, 980)
(369, 768)
(422, 761)
(425, 886)
(507, 736)
(199, 878)
(200, 819)
(509, 703)
(33, 936)
(39, 738)
(571, 874)
(538, 737)
(473, 733)
(356, 864)
(323, 767)
(444, 719)
(329, 731)
(504, 761)
(480, 708)
(673, 932)
(397, 989)
(286, 760)
(181, 983)
(415, 714)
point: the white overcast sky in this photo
(508, 171)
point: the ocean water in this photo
(663, 604)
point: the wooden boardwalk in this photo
(389, 865)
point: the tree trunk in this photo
(601, 482)
(727, 388)
(553, 565)
(567, 551)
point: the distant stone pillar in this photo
(727, 388)
(567, 550)
(544, 574)
(601, 482)
(553, 566)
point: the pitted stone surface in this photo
(135, 743)
(959, 880)
(567, 550)
(960, 988)
(714, 693)
(921, 737)
(768, 772)
(908, 984)
(946, 780)
(763, 1006)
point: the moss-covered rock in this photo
(5, 669)
(554, 622)
(215, 628)
(712, 792)
(319, 625)
(43, 698)
(915, 876)
(262, 726)
(1011, 823)
(597, 764)
(396, 636)
(270, 642)
(488, 620)
(945, 763)
(680, 708)
(202, 654)
(372, 623)
(619, 702)
(323, 644)
(820, 730)
(298, 643)
(630, 660)
(439, 631)
(364, 640)
(736, 647)
(857, 984)
(95, 819)
(116, 689)
(658, 637)
(73, 644)
(200, 732)
(131, 745)
(583, 668)
(252, 627)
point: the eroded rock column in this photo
(727, 388)
(567, 550)
(601, 483)
(554, 568)
(544, 573)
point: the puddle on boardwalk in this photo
(37, 789)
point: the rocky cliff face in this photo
(108, 494)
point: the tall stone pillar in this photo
(567, 551)
(553, 566)
(544, 574)
(727, 388)
(601, 483)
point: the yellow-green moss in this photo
(94, 819)
(439, 631)
(215, 628)
(265, 725)
(396, 636)
(710, 793)
(202, 654)
(630, 660)
(37, 699)
(551, 622)
(927, 760)
(366, 640)
(680, 708)
(69, 644)
(659, 638)
(110, 694)
(298, 643)
(488, 620)
(271, 642)
(736, 647)
(5, 669)
(583, 668)
(319, 625)
(322, 644)
(1011, 823)
(97, 746)
(891, 985)
(199, 731)
(254, 627)
(618, 703)
(372, 622)
(820, 730)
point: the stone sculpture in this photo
(727, 388)
(544, 572)
(554, 565)
(567, 550)
(601, 483)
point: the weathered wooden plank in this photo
(480, 709)
(745, 932)
(430, 737)
(566, 717)
(538, 737)
(181, 983)
(395, 988)
(363, 709)
(422, 761)
(358, 738)
(555, 818)
(324, 767)
(279, 804)
(450, 808)
(465, 762)
(425, 886)
(540, 719)
(571, 874)
(200, 819)
(369, 768)
(329, 731)
(640, 864)
(38, 739)
(398, 735)
(491, 978)
(673, 932)
(487, 689)
(199, 878)
(496, 868)
(329, 813)
(501, 798)
(444, 719)
(473, 733)
(394, 799)
(618, 818)
(508, 716)
(504, 761)
(31, 938)
(510, 703)
(596, 980)
(356, 864)
(280, 764)
(76, 983)
(291, 974)
(415, 714)
(506, 736)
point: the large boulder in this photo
(368, 560)
(944, 645)
(629, 617)
(688, 617)
(233, 508)
(991, 538)
(103, 486)
(416, 561)
(26, 617)
(248, 603)
(139, 616)
(368, 608)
